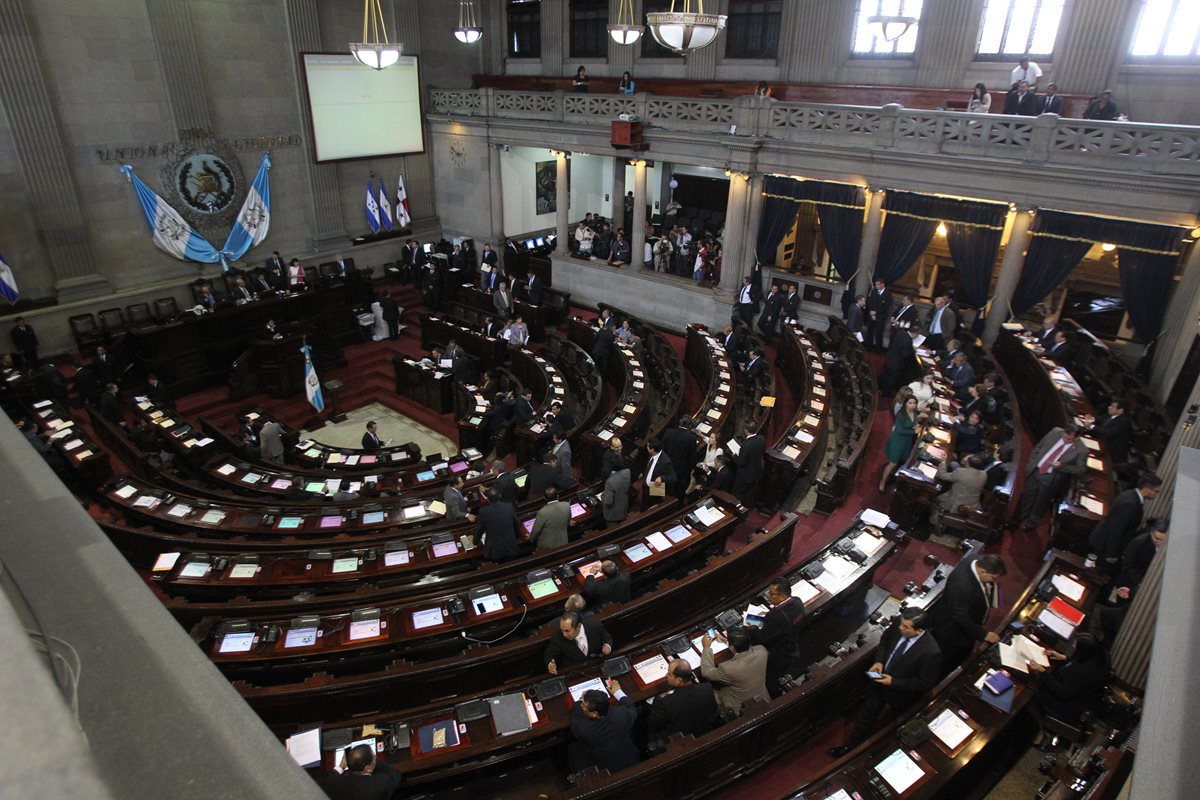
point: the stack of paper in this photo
(1020, 652)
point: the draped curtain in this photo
(1147, 257)
(839, 209)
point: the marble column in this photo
(562, 197)
(618, 192)
(1096, 34)
(637, 238)
(496, 183)
(41, 152)
(701, 65)
(949, 29)
(179, 59)
(807, 52)
(1180, 327)
(494, 20)
(869, 251)
(324, 195)
(554, 34)
(664, 170)
(738, 252)
(1010, 273)
(754, 211)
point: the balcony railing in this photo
(1048, 139)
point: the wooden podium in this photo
(628, 136)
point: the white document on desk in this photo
(877, 518)
(305, 747)
(1069, 588)
(869, 543)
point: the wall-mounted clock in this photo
(458, 153)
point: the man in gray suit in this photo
(966, 485)
(942, 323)
(270, 441)
(561, 451)
(744, 676)
(552, 523)
(1054, 459)
(456, 503)
(503, 301)
(616, 491)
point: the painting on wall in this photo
(545, 186)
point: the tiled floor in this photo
(392, 425)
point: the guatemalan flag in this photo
(403, 212)
(8, 284)
(254, 220)
(170, 233)
(372, 207)
(385, 208)
(312, 386)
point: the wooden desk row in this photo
(425, 383)
(800, 448)
(855, 392)
(489, 352)
(408, 684)
(666, 372)
(706, 359)
(961, 722)
(187, 444)
(535, 316)
(85, 457)
(486, 751)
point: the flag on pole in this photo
(8, 284)
(170, 233)
(254, 220)
(372, 208)
(403, 211)
(312, 386)
(385, 208)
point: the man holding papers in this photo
(907, 666)
(364, 777)
(778, 633)
(1072, 684)
(968, 598)
(688, 707)
(603, 733)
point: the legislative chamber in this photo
(600, 398)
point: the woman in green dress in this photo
(900, 442)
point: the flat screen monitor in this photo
(290, 523)
(487, 604)
(520, 481)
(346, 564)
(459, 466)
(542, 588)
(528, 525)
(300, 637)
(427, 475)
(541, 241)
(577, 509)
(237, 642)
(427, 247)
(529, 244)
(443, 549)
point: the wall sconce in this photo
(942, 230)
(1108, 247)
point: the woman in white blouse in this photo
(295, 274)
(981, 101)
(923, 391)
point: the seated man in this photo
(364, 778)
(576, 641)
(907, 666)
(743, 677)
(688, 707)
(620, 251)
(603, 734)
(966, 486)
(609, 586)
(1060, 352)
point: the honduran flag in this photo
(385, 208)
(8, 283)
(372, 208)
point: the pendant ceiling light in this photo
(468, 30)
(624, 31)
(375, 50)
(890, 26)
(687, 30)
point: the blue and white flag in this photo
(8, 284)
(372, 208)
(170, 233)
(254, 220)
(312, 386)
(385, 208)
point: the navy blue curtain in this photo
(974, 239)
(1147, 256)
(904, 237)
(839, 209)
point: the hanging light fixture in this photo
(687, 30)
(624, 31)
(375, 50)
(942, 230)
(1108, 247)
(468, 30)
(890, 26)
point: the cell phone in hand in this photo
(712, 633)
(873, 675)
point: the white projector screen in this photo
(358, 112)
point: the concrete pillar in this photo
(1096, 34)
(562, 197)
(42, 155)
(1010, 273)
(869, 251)
(493, 18)
(554, 35)
(637, 238)
(701, 65)
(175, 41)
(496, 185)
(949, 29)
(618, 192)
(737, 257)
(664, 169)
(754, 211)
(807, 53)
(1179, 327)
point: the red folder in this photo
(1067, 611)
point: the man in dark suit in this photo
(391, 314)
(778, 633)
(534, 289)
(1114, 430)
(504, 482)
(564, 477)
(997, 394)
(720, 477)
(276, 269)
(492, 327)
(729, 340)
(419, 259)
(1045, 337)
(898, 361)
(241, 293)
(575, 641)
(908, 662)
(879, 307)
(1060, 352)
(342, 266)
(679, 443)
(106, 369)
(1051, 102)
(660, 475)
(602, 348)
(688, 707)
(748, 464)
(364, 778)
(1021, 101)
(748, 297)
(791, 303)
(51, 383)
(260, 284)
(609, 586)
(603, 732)
(1134, 564)
(496, 528)
(110, 405)
(959, 616)
(455, 501)
(962, 376)
(564, 420)
(1113, 533)
(25, 339)
(370, 440)
(755, 367)
(157, 393)
(613, 454)
(543, 475)
(1055, 458)
(523, 409)
(768, 321)
(856, 316)
(906, 313)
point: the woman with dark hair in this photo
(627, 85)
(969, 435)
(581, 80)
(981, 101)
(900, 442)
(1071, 684)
